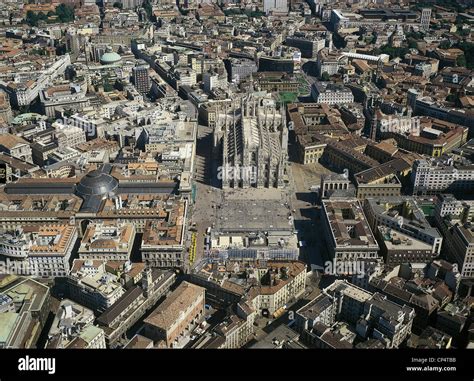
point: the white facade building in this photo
(275, 6)
(331, 93)
(431, 177)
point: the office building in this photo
(107, 241)
(438, 175)
(25, 306)
(455, 220)
(90, 285)
(73, 328)
(348, 236)
(239, 69)
(330, 93)
(425, 18)
(276, 6)
(141, 78)
(405, 224)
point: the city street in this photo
(307, 211)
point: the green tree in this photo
(468, 58)
(452, 98)
(461, 61)
(65, 13)
(393, 52)
(325, 76)
(444, 44)
(415, 35)
(371, 39)
(118, 5)
(412, 44)
(32, 18)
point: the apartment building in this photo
(16, 147)
(50, 253)
(117, 319)
(25, 306)
(40, 250)
(181, 311)
(23, 93)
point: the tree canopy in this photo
(467, 59)
(64, 13)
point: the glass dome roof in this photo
(109, 58)
(96, 183)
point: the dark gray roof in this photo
(109, 315)
(92, 188)
(39, 188)
(91, 204)
(161, 187)
(96, 183)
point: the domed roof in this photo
(96, 183)
(109, 58)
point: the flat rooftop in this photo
(354, 292)
(315, 307)
(395, 240)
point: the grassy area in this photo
(304, 87)
(428, 209)
(287, 97)
(301, 79)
